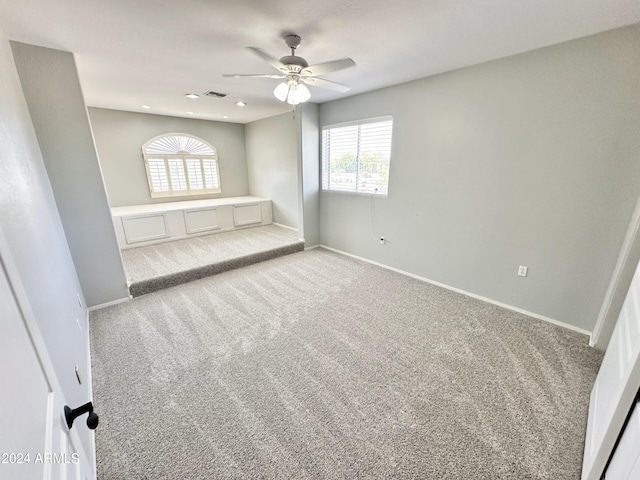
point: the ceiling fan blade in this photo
(328, 67)
(255, 75)
(322, 83)
(273, 61)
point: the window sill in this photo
(181, 194)
(356, 194)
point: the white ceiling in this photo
(134, 52)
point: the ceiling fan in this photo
(296, 72)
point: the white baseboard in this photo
(468, 294)
(290, 228)
(109, 304)
(285, 226)
(316, 246)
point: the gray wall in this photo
(31, 225)
(530, 160)
(272, 158)
(54, 97)
(309, 171)
(119, 138)
(619, 284)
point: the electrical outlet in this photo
(522, 271)
(382, 241)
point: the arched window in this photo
(179, 164)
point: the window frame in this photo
(323, 164)
(165, 157)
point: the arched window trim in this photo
(191, 143)
(180, 164)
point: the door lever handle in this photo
(70, 415)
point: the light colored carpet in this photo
(315, 365)
(163, 265)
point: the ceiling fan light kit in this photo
(293, 92)
(295, 72)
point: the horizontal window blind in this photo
(356, 157)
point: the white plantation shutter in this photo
(178, 142)
(211, 177)
(158, 175)
(194, 170)
(180, 164)
(176, 174)
(356, 156)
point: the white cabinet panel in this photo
(142, 229)
(247, 214)
(138, 225)
(201, 220)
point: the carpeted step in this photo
(153, 267)
(172, 279)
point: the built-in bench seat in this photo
(138, 225)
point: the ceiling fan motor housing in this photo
(295, 63)
(294, 60)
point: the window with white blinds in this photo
(178, 164)
(356, 156)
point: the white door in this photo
(35, 442)
(625, 463)
(615, 387)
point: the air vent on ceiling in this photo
(213, 94)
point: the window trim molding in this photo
(364, 121)
(146, 156)
(349, 123)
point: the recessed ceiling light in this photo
(146, 107)
(192, 95)
(240, 104)
(189, 113)
(225, 116)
